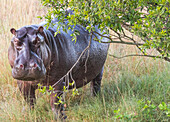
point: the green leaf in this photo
(116, 111)
(88, 27)
(163, 106)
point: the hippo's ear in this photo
(40, 29)
(13, 31)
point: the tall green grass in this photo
(131, 87)
(126, 93)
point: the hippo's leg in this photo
(96, 83)
(28, 90)
(56, 105)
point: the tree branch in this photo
(111, 41)
(151, 56)
(130, 43)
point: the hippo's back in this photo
(91, 62)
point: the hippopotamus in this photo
(36, 55)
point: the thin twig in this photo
(118, 35)
(137, 44)
(76, 61)
(165, 58)
(88, 53)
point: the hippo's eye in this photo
(18, 44)
(36, 42)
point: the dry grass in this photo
(14, 13)
(17, 13)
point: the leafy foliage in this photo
(149, 20)
(146, 110)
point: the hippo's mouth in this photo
(29, 79)
(29, 75)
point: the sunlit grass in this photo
(125, 81)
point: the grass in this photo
(132, 88)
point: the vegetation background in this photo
(133, 89)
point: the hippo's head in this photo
(29, 54)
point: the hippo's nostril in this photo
(21, 65)
(35, 65)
